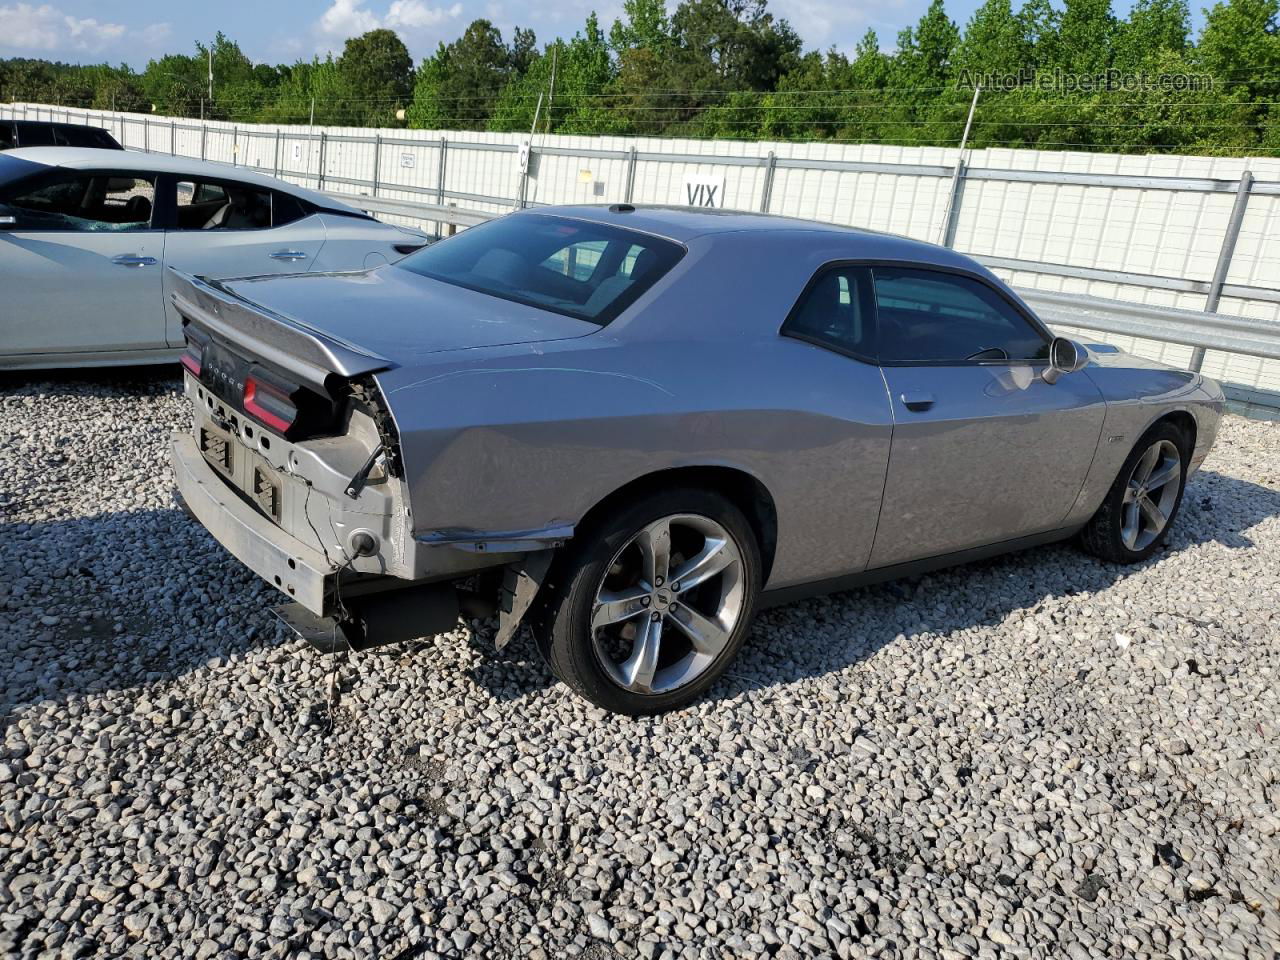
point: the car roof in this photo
(89, 158)
(683, 224)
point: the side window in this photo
(7, 139)
(838, 310)
(222, 206)
(578, 260)
(928, 315)
(86, 202)
(285, 209)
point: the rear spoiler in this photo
(280, 341)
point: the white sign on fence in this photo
(522, 156)
(297, 153)
(701, 190)
(407, 160)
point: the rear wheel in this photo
(1141, 505)
(654, 602)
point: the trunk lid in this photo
(401, 317)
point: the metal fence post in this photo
(1224, 258)
(235, 135)
(766, 194)
(173, 138)
(275, 159)
(631, 176)
(953, 206)
(521, 202)
(204, 133)
(377, 161)
(444, 148)
(320, 172)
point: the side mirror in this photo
(1065, 356)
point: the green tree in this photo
(459, 85)
(377, 77)
(995, 42)
(583, 70)
(1153, 29)
(1086, 34)
(646, 27)
(176, 84)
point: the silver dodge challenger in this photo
(631, 427)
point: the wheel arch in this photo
(1185, 421)
(746, 492)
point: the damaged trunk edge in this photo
(341, 496)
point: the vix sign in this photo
(702, 191)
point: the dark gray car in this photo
(634, 426)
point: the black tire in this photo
(1103, 535)
(564, 629)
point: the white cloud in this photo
(411, 14)
(415, 20)
(28, 27)
(346, 18)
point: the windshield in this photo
(591, 271)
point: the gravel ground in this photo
(1038, 756)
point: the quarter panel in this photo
(534, 440)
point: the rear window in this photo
(586, 270)
(73, 136)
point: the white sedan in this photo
(86, 235)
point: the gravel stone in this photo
(1034, 756)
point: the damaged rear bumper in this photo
(297, 570)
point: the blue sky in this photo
(80, 31)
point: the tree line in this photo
(1069, 77)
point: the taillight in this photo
(268, 404)
(191, 360)
(193, 351)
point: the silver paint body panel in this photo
(514, 422)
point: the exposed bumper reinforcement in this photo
(300, 572)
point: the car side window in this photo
(838, 311)
(286, 209)
(222, 206)
(928, 316)
(85, 202)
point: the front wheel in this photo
(1141, 505)
(654, 602)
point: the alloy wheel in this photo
(1150, 495)
(668, 604)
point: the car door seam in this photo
(888, 465)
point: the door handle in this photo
(288, 255)
(129, 260)
(917, 401)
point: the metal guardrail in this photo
(445, 213)
(1193, 328)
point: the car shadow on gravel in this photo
(99, 603)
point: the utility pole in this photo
(552, 93)
(956, 174)
(211, 73)
(312, 121)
